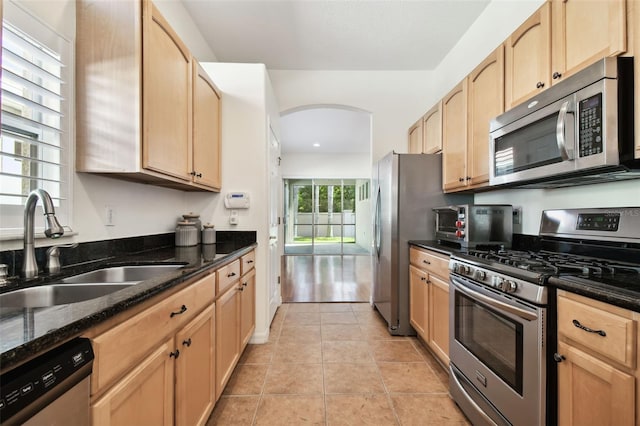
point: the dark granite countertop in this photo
(26, 332)
(628, 298)
(447, 250)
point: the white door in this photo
(275, 296)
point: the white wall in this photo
(325, 166)
(396, 99)
(246, 114)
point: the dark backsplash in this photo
(99, 250)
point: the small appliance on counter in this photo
(471, 225)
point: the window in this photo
(37, 71)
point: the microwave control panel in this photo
(590, 125)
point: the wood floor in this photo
(326, 278)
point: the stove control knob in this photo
(459, 233)
(480, 275)
(459, 224)
(497, 282)
(510, 286)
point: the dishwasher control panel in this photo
(40, 380)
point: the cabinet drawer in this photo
(619, 340)
(247, 262)
(227, 275)
(119, 349)
(432, 262)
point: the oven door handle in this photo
(522, 313)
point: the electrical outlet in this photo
(109, 216)
(233, 217)
(517, 215)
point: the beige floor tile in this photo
(341, 332)
(359, 410)
(300, 334)
(363, 306)
(369, 316)
(394, 351)
(352, 378)
(421, 410)
(234, 410)
(338, 318)
(346, 351)
(257, 354)
(335, 307)
(410, 377)
(303, 307)
(431, 361)
(378, 332)
(296, 319)
(310, 353)
(287, 410)
(247, 379)
(294, 379)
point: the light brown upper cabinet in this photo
(206, 130)
(528, 58)
(585, 31)
(432, 130)
(454, 138)
(166, 96)
(135, 88)
(486, 100)
(633, 25)
(415, 138)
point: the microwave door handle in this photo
(565, 152)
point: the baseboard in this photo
(259, 338)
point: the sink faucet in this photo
(52, 229)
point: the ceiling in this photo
(333, 35)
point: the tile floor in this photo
(335, 364)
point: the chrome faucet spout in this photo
(53, 229)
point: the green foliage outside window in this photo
(305, 198)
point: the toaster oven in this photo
(471, 225)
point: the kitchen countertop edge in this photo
(36, 346)
(609, 295)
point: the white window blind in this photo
(35, 144)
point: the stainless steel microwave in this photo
(578, 131)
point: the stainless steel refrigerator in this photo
(406, 188)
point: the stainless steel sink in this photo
(122, 274)
(86, 286)
(57, 294)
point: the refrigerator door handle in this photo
(377, 233)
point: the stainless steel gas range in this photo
(502, 308)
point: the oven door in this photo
(497, 345)
(446, 218)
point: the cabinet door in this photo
(206, 130)
(585, 31)
(432, 130)
(415, 138)
(143, 397)
(592, 392)
(528, 58)
(247, 307)
(454, 138)
(195, 370)
(166, 92)
(227, 336)
(418, 298)
(439, 318)
(486, 100)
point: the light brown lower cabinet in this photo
(598, 374)
(429, 299)
(143, 397)
(195, 370)
(235, 320)
(227, 336)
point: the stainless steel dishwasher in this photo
(51, 389)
